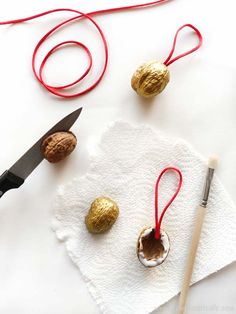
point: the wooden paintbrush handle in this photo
(191, 259)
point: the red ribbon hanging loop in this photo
(168, 60)
(159, 221)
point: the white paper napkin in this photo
(125, 169)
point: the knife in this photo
(16, 175)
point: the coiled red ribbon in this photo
(157, 220)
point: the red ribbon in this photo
(168, 60)
(159, 221)
(61, 90)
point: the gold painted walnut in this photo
(58, 146)
(102, 215)
(150, 79)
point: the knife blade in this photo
(16, 175)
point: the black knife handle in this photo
(9, 181)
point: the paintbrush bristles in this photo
(213, 162)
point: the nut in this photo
(102, 215)
(150, 79)
(152, 252)
(58, 146)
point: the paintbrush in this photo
(196, 235)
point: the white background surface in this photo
(36, 274)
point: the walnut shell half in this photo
(102, 215)
(152, 252)
(58, 146)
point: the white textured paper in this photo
(125, 168)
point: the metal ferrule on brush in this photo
(207, 187)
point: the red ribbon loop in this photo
(168, 61)
(159, 221)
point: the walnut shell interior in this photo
(152, 252)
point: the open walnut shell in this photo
(152, 252)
